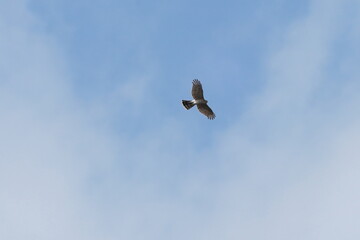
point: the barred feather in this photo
(188, 104)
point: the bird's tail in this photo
(188, 104)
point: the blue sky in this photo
(96, 145)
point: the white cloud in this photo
(287, 170)
(296, 150)
(45, 137)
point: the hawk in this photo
(199, 101)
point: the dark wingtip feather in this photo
(196, 82)
(212, 117)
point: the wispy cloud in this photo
(286, 169)
(295, 144)
(45, 140)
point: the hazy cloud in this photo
(287, 169)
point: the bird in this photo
(199, 101)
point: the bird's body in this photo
(199, 101)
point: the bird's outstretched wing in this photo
(206, 110)
(197, 91)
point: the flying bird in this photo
(199, 101)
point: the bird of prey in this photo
(199, 101)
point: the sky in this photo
(95, 143)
